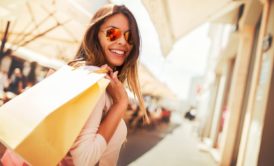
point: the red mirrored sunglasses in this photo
(113, 34)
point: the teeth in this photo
(118, 52)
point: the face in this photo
(113, 36)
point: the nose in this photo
(122, 40)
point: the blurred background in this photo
(206, 73)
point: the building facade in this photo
(240, 112)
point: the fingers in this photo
(107, 68)
(108, 77)
(112, 76)
(115, 76)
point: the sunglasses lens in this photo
(128, 37)
(113, 34)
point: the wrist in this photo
(121, 104)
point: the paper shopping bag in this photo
(42, 123)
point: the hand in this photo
(116, 89)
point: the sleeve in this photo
(89, 146)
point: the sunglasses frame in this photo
(121, 33)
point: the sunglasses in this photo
(114, 33)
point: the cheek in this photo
(103, 43)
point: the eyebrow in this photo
(111, 26)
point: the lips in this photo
(118, 52)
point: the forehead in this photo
(118, 20)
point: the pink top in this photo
(89, 148)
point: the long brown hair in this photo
(92, 53)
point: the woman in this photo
(111, 41)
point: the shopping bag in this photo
(41, 124)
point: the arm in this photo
(93, 139)
(116, 112)
(89, 145)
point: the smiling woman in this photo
(111, 42)
(115, 45)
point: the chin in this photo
(116, 64)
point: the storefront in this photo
(242, 109)
(256, 144)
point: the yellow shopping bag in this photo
(42, 123)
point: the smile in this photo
(119, 52)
